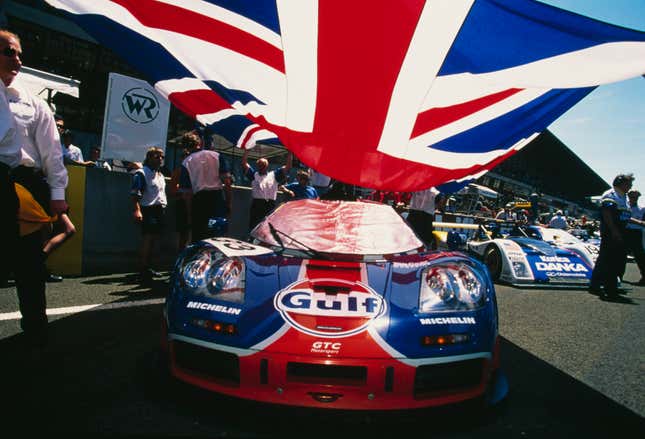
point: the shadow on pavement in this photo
(137, 286)
(101, 375)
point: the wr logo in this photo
(140, 105)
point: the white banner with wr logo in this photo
(136, 118)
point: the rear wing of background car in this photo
(455, 236)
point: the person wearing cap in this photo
(614, 216)
(558, 221)
(634, 234)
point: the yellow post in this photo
(68, 259)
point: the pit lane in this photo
(576, 366)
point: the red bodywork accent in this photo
(281, 389)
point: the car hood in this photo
(530, 245)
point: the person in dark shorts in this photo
(149, 201)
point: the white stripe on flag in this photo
(299, 28)
(226, 16)
(436, 30)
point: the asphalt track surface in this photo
(575, 365)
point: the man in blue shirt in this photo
(301, 189)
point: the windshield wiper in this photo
(276, 236)
(308, 250)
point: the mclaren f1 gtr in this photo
(334, 304)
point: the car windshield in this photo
(338, 227)
(558, 235)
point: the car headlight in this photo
(209, 273)
(520, 269)
(449, 287)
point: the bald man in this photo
(264, 186)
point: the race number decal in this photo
(235, 247)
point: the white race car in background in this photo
(515, 258)
(562, 238)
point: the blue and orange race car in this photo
(335, 305)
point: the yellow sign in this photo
(522, 204)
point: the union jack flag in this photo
(386, 94)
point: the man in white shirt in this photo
(205, 182)
(421, 214)
(9, 158)
(264, 186)
(615, 214)
(42, 173)
(72, 154)
(559, 221)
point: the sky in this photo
(607, 128)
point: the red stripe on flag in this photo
(194, 102)
(440, 116)
(247, 136)
(355, 81)
(161, 15)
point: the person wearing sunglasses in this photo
(42, 172)
(10, 156)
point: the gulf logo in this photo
(329, 307)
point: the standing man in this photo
(203, 179)
(535, 211)
(149, 203)
(614, 216)
(10, 156)
(264, 186)
(634, 234)
(42, 172)
(421, 214)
